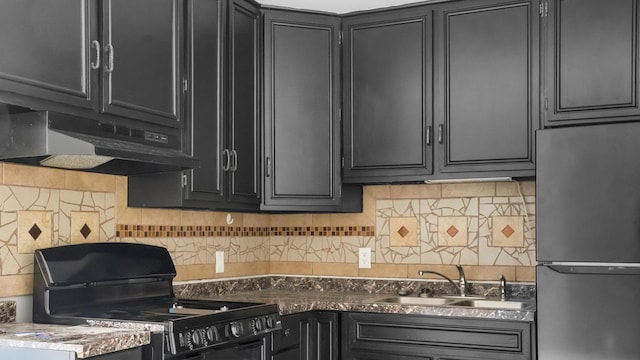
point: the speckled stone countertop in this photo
(294, 295)
(85, 341)
(7, 311)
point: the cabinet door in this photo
(372, 336)
(244, 102)
(387, 96)
(488, 89)
(205, 34)
(302, 109)
(591, 61)
(49, 50)
(142, 67)
(327, 335)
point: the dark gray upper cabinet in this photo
(222, 109)
(487, 87)
(49, 51)
(206, 34)
(591, 59)
(142, 70)
(302, 109)
(56, 57)
(242, 154)
(387, 96)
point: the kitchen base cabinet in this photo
(16, 353)
(308, 336)
(404, 337)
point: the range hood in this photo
(59, 140)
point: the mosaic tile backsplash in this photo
(488, 227)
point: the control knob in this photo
(236, 329)
(195, 338)
(269, 322)
(212, 334)
(256, 325)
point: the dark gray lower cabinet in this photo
(395, 337)
(311, 335)
(16, 353)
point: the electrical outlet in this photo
(219, 262)
(364, 258)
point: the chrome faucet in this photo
(503, 287)
(461, 287)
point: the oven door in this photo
(253, 350)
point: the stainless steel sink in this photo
(492, 304)
(414, 300)
(456, 301)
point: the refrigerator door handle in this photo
(596, 269)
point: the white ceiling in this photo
(336, 6)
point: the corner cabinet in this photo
(487, 88)
(302, 111)
(591, 61)
(289, 163)
(405, 337)
(387, 96)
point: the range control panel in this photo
(201, 337)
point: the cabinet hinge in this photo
(342, 162)
(185, 85)
(340, 38)
(544, 9)
(546, 104)
(184, 180)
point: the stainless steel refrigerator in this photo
(588, 242)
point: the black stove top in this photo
(160, 311)
(125, 282)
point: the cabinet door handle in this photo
(95, 44)
(267, 166)
(234, 160)
(440, 133)
(111, 63)
(429, 135)
(226, 161)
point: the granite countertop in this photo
(85, 341)
(293, 301)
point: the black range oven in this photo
(131, 285)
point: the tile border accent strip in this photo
(163, 231)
